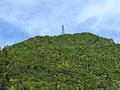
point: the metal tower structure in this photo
(63, 32)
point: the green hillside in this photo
(67, 62)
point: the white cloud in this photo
(107, 15)
(46, 16)
(39, 17)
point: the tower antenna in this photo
(63, 32)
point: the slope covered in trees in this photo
(66, 62)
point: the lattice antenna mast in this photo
(63, 31)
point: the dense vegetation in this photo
(66, 62)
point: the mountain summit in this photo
(67, 62)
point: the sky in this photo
(22, 19)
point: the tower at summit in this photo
(63, 31)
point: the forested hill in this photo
(67, 62)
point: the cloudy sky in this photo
(21, 19)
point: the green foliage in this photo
(66, 62)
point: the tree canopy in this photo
(81, 61)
